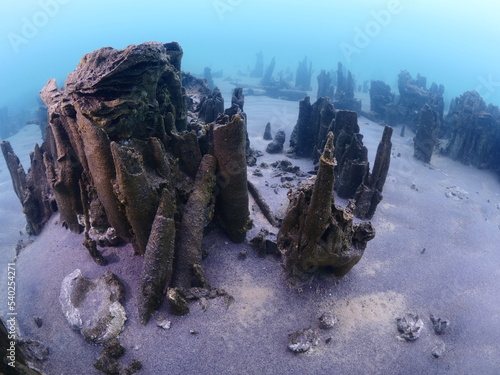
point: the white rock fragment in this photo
(163, 323)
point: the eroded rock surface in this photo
(474, 129)
(413, 95)
(33, 189)
(380, 98)
(325, 85)
(344, 94)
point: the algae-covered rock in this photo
(159, 258)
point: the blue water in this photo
(450, 42)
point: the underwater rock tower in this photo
(120, 163)
(317, 233)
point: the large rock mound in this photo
(93, 306)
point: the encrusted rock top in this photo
(98, 69)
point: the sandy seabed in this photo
(436, 251)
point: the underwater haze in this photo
(449, 42)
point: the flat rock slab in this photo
(93, 306)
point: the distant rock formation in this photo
(197, 91)
(207, 74)
(258, 70)
(237, 98)
(344, 94)
(474, 129)
(315, 233)
(313, 123)
(303, 75)
(278, 88)
(7, 127)
(380, 98)
(352, 172)
(325, 85)
(351, 154)
(268, 74)
(413, 95)
(120, 156)
(426, 137)
(33, 190)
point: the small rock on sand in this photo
(327, 320)
(439, 324)
(438, 349)
(410, 327)
(301, 341)
(163, 323)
